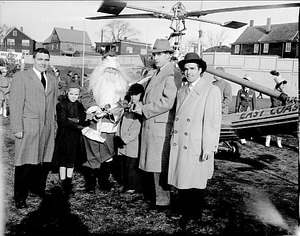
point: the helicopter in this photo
(178, 15)
(279, 120)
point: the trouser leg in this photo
(191, 202)
(162, 191)
(39, 177)
(22, 182)
(103, 175)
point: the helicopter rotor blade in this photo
(228, 24)
(206, 12)
(131, 16)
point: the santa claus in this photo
(104, 106)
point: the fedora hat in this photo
(161, 45)
(192, 57)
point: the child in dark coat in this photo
(128, 141)
(69, 151)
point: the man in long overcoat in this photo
(32, 120)
(158, 108)
(195, 137)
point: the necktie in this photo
(43, 80)
(158, 70)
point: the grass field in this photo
(254, 194)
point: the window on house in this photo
(25, 42)
(57, 46)
(10, 41)
(25, 52)
(288, 47)
(15, 33)
(256, 47)
(10, 50)
(70, 46)
(266, 47)
(117, 48)
(236, 48)
(129, 49)
(143, 51)
(52, 47)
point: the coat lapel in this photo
(192, 94)
(35, 81)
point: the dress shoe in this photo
(21, 204)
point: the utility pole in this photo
(200, 34)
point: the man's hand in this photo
(206, 155)
(18, 135)
(136, 108)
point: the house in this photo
(270, 39)
(124, 47)
(65, 42)
(16, 40)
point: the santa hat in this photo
(278, 80)
(112, 62)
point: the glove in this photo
(118, 142)
(93, 109)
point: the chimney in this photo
(71, 27)
(220, 44)
(251, 23)
(268, 26)
(21, 28)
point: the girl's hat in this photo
(278, 80)
(135, 89)
(73, 85)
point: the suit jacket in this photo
(32, 111)
(196, 129)
(226, 94)
(245, 101)
(158, 115)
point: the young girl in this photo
(127, 142)
(69, 145)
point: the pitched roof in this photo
(222, 48)
(279, 33)
(69, 35)
(8, 32)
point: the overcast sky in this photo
(38, 18)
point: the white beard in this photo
(107, 88)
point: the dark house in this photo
(16, 40)
(270, 39)
(124, 47)
(65, 42)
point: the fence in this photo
(258, 67)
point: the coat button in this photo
(184, 147)
(176, 119)
(175, 131)
(188, 120)
(185, 133)
(174, 144)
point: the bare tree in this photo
(214, 38)
(3, 30)
(118, 30)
